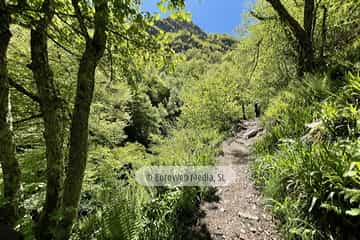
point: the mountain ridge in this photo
(187, 35)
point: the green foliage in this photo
(145, 119)
(188, 147)
(111, 204)
(213, 100)
(119, 217)
(287, 113)
(176, 95)
(170, 215)
(110, 114)
(313, 182)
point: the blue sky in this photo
(213, 16)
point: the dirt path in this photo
(239, 213)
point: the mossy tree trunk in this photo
(53, 112)
(10, 165)
(94, 50)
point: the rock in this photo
(248, 216)
(211, 206)
(218, 236)
(252, 133)
(240, 141)
(314, 124)
(315, 132)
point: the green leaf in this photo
(353, 212)
(162, 7)
(313, 202)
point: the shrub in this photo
(314, 186)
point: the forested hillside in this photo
(90, 92)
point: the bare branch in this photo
(83, 28)
(71, 26)
(62, 46)
(38, 115)
(21, 89)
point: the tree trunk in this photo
(307, 46)
(79, 126)
(306, 58)
(309, 13)
(243, 110)
(323, 36)
(10, 166)
(302, 35)
(53, 112)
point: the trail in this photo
(239, 212)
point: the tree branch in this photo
(285, 16)
(83, 28)
(71, 26)
(323, 33)
(21, 89)
(62, 46)
(39, 115)
(256, 58)
(262, 18)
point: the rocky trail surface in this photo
(238, 211)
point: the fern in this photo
(121, 219)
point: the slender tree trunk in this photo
(243, 110)
(306, 58)
(53, 112)
(78, 139)
(79, 126)
(309, 13)
(323, 36)
(307, 45)
(10, 166)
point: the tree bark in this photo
(307, 56)
(323, 36)
(10, 165)
(302, 35)
(309, 13)
(243, 110)
(94, 50)
(53, 112)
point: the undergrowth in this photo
(308, 163)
